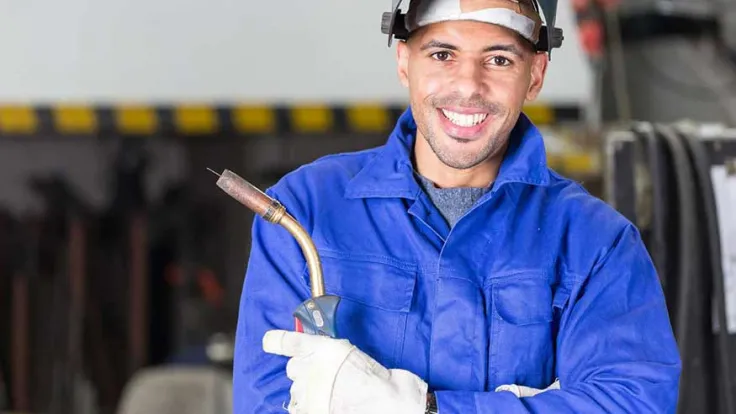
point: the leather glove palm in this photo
(333, 376)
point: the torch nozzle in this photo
(274, 212)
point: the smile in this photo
(464, 120)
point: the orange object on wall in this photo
(590, 24)
(591, 37)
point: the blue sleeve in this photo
(272, 290)
(616, 351)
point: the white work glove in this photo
(521, 391)
(332, 376)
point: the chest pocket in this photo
(523, 330)
(376, 296)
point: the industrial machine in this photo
(677, 183)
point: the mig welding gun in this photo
(316, 315)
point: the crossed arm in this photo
(616, 351)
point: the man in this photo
(473, 278)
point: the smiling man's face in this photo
(468, 82)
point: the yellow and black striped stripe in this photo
(209, 120)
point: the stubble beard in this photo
(453, 159)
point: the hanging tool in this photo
(67, 215)
(316, 315)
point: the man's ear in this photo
(402, 62)
(538, 72)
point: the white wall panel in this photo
(219, 51)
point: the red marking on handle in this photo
(299, 327)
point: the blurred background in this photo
(121, 262)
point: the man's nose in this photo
(469, 79)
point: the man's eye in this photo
(500, 61)
(441, 55)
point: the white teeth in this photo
(464, 120)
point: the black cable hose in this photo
(698, 393)
(658, 245)
(702, 168)
(688, 265)
(687, 258)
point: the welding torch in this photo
(315, 315)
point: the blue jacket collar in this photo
(390, 172)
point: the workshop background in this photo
(121, 262)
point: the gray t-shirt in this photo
(451, 202)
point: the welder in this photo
(472, 278)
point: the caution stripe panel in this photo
(203, 120)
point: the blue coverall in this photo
(538, 281)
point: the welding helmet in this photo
(522, 16)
